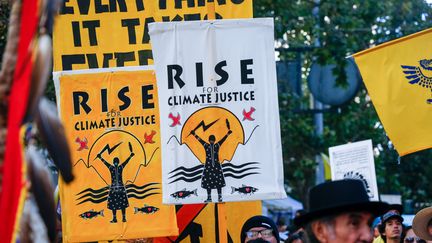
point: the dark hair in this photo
(405, 231)
(381, 228)
(295, 236)
(280, 222)
(429, 223)
(300, 212)
(259, 240)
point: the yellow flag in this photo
(112, 125)
(398, 77)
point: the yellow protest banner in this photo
(101, 34)
(111, 120)
(398, 77)
(211, 223)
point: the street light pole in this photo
(318, 117)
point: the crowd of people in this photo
(341, 212)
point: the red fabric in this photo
(13, 180)
(185, 216)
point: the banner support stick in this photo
(221, 210)
(222, 222)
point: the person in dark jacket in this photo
(212, 176)
(117, 197)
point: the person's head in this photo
(295, 238)
(422, 224)
(212, 139)
(116, 161)
(294, 228)
(281, 225)
(299, 213)
(259, 227)
(411, 237)
(375, 226)
(391, 226)
(340, 211)
(344, 227)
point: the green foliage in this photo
(4, 17)
(333, 30)
(299, 146)
(50, 91)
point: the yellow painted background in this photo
(138, 225)
(112, 37)
(219, 130)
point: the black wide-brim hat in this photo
(335, 197)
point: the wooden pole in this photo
(222, 220)
(221, 209)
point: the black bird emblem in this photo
(415, 75)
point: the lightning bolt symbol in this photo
(204, 126)
(107, 147)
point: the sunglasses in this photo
(414, 239)
(266, 233)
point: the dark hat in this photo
(397, 207)
(390, 215)
(259, 240)
(376, 222)
(259, 221)
(340, 196)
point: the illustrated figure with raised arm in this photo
(212, 176)
(117, 197)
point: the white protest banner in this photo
(220, 132)
(355, 161)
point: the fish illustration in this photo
(244, 189)
(184, 194)
(146, 209)
(91, 214)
